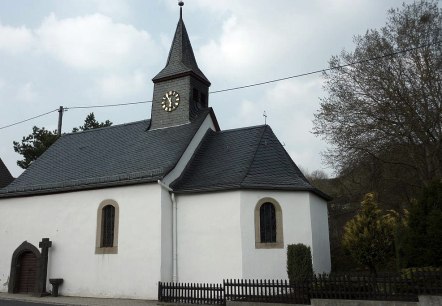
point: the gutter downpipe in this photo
(174, 231)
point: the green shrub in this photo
(299, 262)
(369, 236)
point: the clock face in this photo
(170, 101)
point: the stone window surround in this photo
(279, 244)
(114, 248)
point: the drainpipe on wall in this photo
(174, 231)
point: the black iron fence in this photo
(266, 291)
(384, 286)
(387, 287)
(191, 293)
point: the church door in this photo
(28, 272)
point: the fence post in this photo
(159, 291)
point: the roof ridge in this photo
(199, 144)
(244, 128)
(254, 154)
(207, 135)
(105, 127)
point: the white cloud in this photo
(253, 45)
(117, 8)
(27, 93)
(261, 41)
(122, 86)
(95, 42)
(166, 41)
(15, 39)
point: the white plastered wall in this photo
(69, 220)
(271, 263)
(320, 232)
(216, 235)
(209, 237)
(166, 236)
(304, 218)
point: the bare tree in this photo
(388, 109)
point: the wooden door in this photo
(28, 272)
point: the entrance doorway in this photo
(27, 275)
(25, 270)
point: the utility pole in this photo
(60, 119)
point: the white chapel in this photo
(113, 211)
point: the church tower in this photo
(181, 90)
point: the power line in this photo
(41, 115)
(328, 69)
(74, 107)
(245, 86)
(106, 105)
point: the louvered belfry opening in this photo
(107, 226)
(27, 275)
(267, 222)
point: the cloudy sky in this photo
(97, 52)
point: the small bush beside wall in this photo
(299, 262)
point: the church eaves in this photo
(181, 60)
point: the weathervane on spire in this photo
(181, 3)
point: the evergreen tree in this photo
(33, 145)
(369, 236)
(91, 123)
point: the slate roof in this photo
(110, 156)
(246, 158)
(181, 60)
(5, 176)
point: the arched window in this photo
(268, 224)
(107, 228)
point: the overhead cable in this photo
(328, 69)
(250, 85)
(106, 105)
(41, 115)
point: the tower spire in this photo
(181, 60)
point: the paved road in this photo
(21, 303)
(7, 299)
